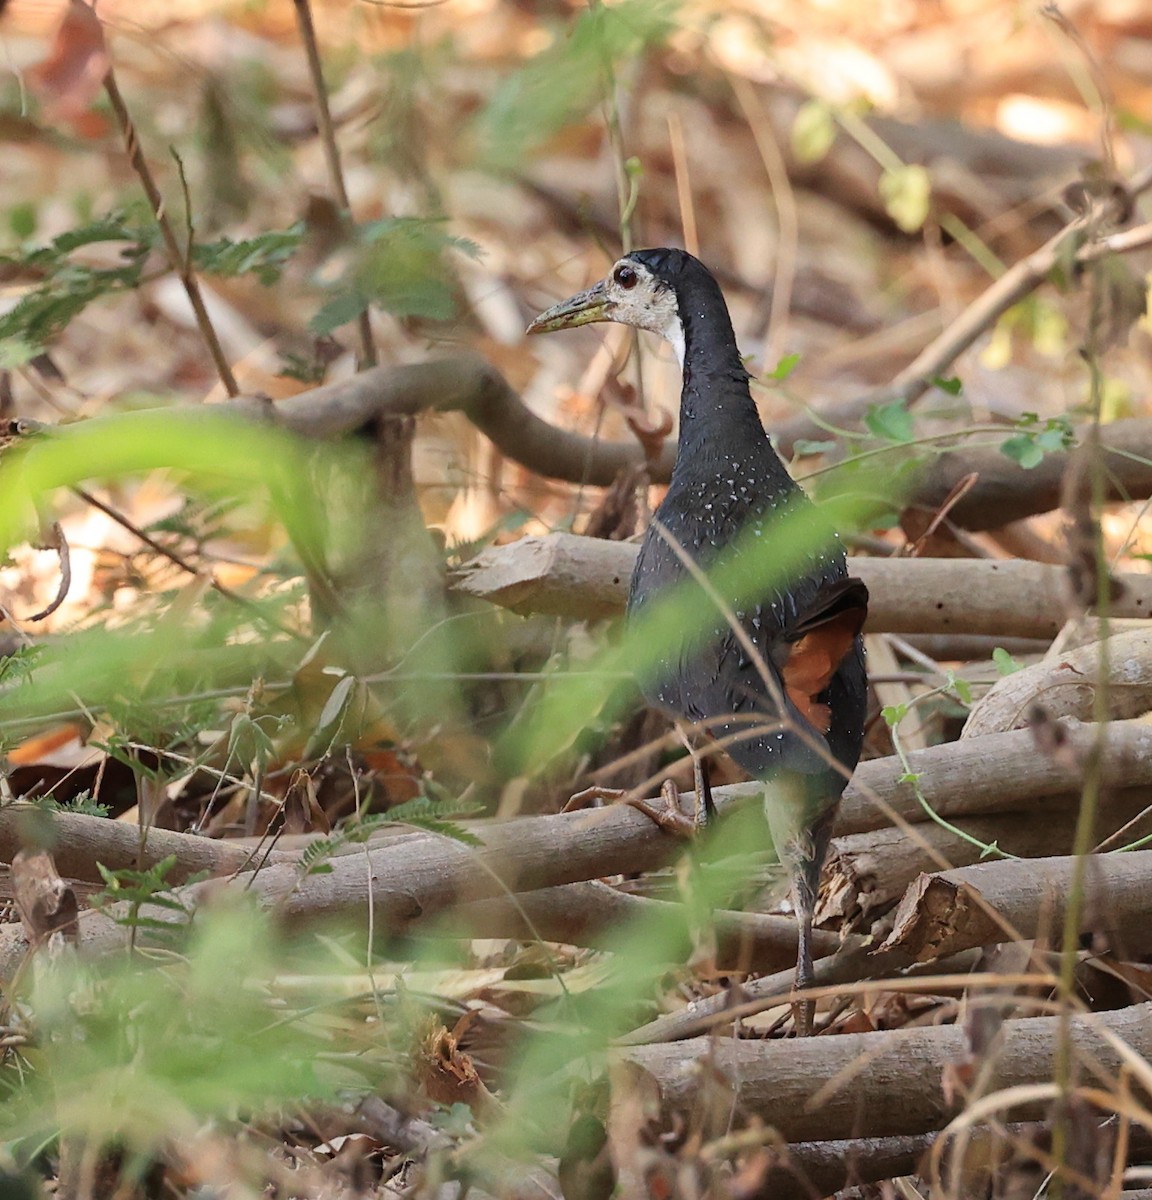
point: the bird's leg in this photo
(701, 776)
(801, 831)
(666, 811)
(805, 882)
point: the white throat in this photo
(673, 332)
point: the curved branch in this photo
(467, 384)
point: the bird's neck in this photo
(717, 414)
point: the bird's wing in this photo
(818, 643)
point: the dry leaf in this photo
(73, 74)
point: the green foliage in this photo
(1005, 663)
(565, 81)
(907, 195)
(813, 131)
(431, 813)
(65, 286)
(890, 422)
(783, 368)
(133, 1056)
(140, 889)
(805, 446)
(1029, 446)
(951, 385)
(263, 256)
(401, 265)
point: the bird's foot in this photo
(665, 812)
(594, 797)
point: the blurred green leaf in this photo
(162, 1048)
(263, 256)
(952, 386)
(1005, 663)
(402, 266)
(1024, 450)
(892, 421)
(813, 131)
(907, 195)
(803, 446)
(784, 367)
(566, 80)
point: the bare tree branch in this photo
(873, 1084)
(945, 913)
(562, 574)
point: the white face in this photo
(630, 295)
(637, 297)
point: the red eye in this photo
(625, 277)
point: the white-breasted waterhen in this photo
(790, 717)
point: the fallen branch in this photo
(412, 879)
(468, 384)
(868, 872)
(801, 1170)
(417, 876)
(874, 1084)
(80, 842)
(951, 911)
(593, 914)
(998, 773)
(562, 574)
(1066, 686)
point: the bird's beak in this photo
(581, 309)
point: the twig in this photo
(331, 151)
(178, 560)
(179, 263)
(787, 218)
(59, 543)
(1019, 281)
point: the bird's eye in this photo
(625, 277)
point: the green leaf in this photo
(22, 220)
(1005, 663)
(263, 256)
(907, 195)
(893, 714)
(953, 386)
(784, 367)
(912, 777)
(962, 688)
(1023, 449)
(344, 306)
(892, 422)
(567, 80)
(15, 352)
(813, 131)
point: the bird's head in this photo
(643, 289)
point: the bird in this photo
(791, 714)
